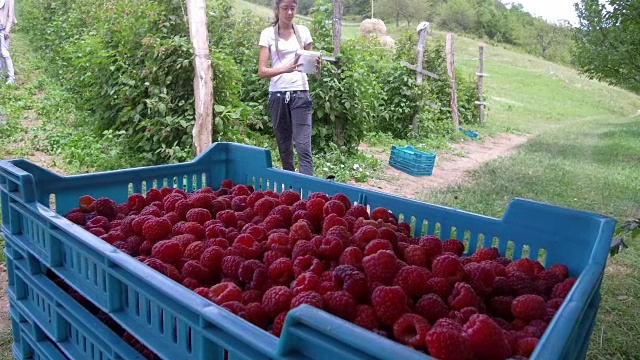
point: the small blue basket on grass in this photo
(412, 161)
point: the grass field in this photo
(584, 153)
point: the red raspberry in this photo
(305, 282)
(415, 255)
(307, 263)
(352, 256)
(432, 308)
(228, 218)
(153, 195)
(545, 282)
(411, 329)
(270, 256)
(463, 315)
(277, 300)
(555, 303)
(439, 286)
(194, 250)
(136, 202)
(560, 269)
(358, 211)
(157, 265)
(300, 205)
(168, 251)
(284, 212)
(560, 291)
(264, 206)
(331, 221)
(307, 297)
(226, 184)
(380, 213)
(97, 231)
(289, 197)
(319, 195)
(230, 266)
(98, 221)
(191, 284)
(330, 249)
(480, 277)
(315, 208)
(485, 254)
(389, 235)
(340, 303)
(340, 232)
(86, 203)
(389, 303)
(156, 229)
(529, 307)
(193, 228)
(334, 207)
(182, 208)
(300, 231)
(145, 248)
(251, 296)
(198, 215)
(281, 271)
(446, 343)
(193, 269)
(541, 325)
(201, 200)
(77, 217)
(246, 246)
(453, 246)
(254, 274)
(501, 306)
(526, 346)
(133, 244)
(170, 202)
(525, 266)
(278, 242)
(240, 190)
(381, 267)
(218, 206)
(257, 315)
(106, 207)
(211, 259)
(278, 324)
(185, 240)
(352, 281)
(481, 331)
(412, 280)
(254, 197)
(366, 317)
(377, 245)
(520, 284)
(366, 234)
(503, 261)
(328, 286)
(225, 292)
(463, 296)
(496, 267)
(449, 267)
(432, 245)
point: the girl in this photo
(289, 99)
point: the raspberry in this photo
(520, 283)
(195, 229)
(562, 289)
(168, 251)
(257, 315)
(299, 231)
(560, 269)
(281, 271)
(528, 307)
(453, 246)
(246, 246)
(289, 197)
(173, 218)
(76, 217)
(277, 299)
(352, 256)
(485, 254)
(449, 267)
(340, 232)
(185, 240)
(389, 303)
(439, 286)
(526, 346)
(97, 231)
(463, 315)
(432, 245)
(269, 257)
(307, 297)
(340, 303)
(264, 206)
(170, 202)
(156, 265)
(358, 211)
(480, 277)
(463, 296)
(251, 296)
(273, 222)
(98, 221)
(327, 286)
(198, 215)
(106, 207)
(253, 198)
(201, 201)
(415, 255)
(501, 306)
(330, 249)
(300, 205)
(352, 281)
(278, 324)
(285, 213)
(230, 266)
(366, 234)
(334, 207)
(412, 280)
(380, 267)
(153, 195)
(228, 218)
(481, 331)
(446, 343)
(331, 221)
(211, 259)
(555, 303)
(432, 308)
(225, 292)
(86, 203)
(133, 244)
(254, 274)
(193, 269)
(389, 235)
(226, 184)
(503, 261)
(194, 250)
(136, 202)
(525, 266)
(411, 329)
(366, 317)
(547, 279)
(305, 282)
(377, 245)
(217, 206)
(541, 325)
(315, 208)
(496, 267)
(191, 283)
(307, 263)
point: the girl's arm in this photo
(266, 72)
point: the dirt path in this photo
(451, 167)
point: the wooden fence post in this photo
(202, 77)
(451, 71)
(480, 75)
(423, 29)
(337, 43)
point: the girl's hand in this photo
(318, 63)
(292, 66)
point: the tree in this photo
(458, 15)
(407, 10)
(607, 41)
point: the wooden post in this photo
(480, 76)
(423, 28)
(451, 71)
(202, 77)
(337, 26)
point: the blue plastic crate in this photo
(412, 161)
(176, 323)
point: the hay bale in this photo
(387, 41)
(375, 27)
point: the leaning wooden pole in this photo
(480, 75)
(337, 26)
(451, 71)
(422, 39)
(203, 75)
